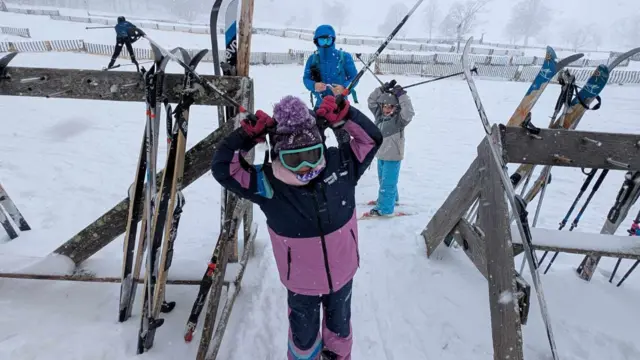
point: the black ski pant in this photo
(306, 340)
(116, 52)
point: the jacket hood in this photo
(324, 30)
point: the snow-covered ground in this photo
(65, 162)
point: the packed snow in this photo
(65, 162)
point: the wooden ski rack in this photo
(487, 238)
(129, 86)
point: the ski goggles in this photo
(324, 41)
(296, 159)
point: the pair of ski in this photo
(159, 224)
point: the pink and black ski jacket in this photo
(313, 227)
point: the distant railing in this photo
(510, 68)
(23, 32)
(438, 45)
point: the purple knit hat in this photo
(296, 126)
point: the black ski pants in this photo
(306, 339)
(116, 52)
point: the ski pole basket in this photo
(490, 240)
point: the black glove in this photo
(388, 86)
(398, 91)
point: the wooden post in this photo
(493, 214)
(244, 37)
(244, 56)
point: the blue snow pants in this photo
(388, 174)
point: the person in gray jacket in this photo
(393, 111)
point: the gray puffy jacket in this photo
(392, 148)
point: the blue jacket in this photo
(124, 29)
(330, 72)
(313, 227)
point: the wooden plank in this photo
(86, 278)
(574, 242)
(560, 147)
(106, 85)
(493, 214)
(242, 69)
(113, 222)
(244, 37)
(453, 209)
(472, 244)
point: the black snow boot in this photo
(328, 355)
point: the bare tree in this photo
(394, 16)
(576, 36)
(462, 18)
(432, 13)
(336, 13)
(528, 17)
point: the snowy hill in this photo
(66, 161)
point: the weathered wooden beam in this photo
(86, 278)
(113, 223)
(212, 352)
(453, 209)
(493, 214)
(107, 85)
(473, 245)
(626, 247)
(559, 147)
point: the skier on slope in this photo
(328, 71)
(307, 194)
(393, 111)
(126, 34)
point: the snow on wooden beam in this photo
(109, 85)
(627, 247)
(559, 147)
(453, 209)
(113, 222)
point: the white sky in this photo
(566, 12)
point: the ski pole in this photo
(473, 70)
(633, 230)
(97, 27)
(635, 264)
(199, 78)
(564, 221)
(574, 224)
(368, 68)
(340, 98)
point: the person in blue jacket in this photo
(328, 71)
(126, 34)
(307, 194)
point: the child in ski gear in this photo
(328, 71)
(393, 111)
(307, 194)
(126, 34)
